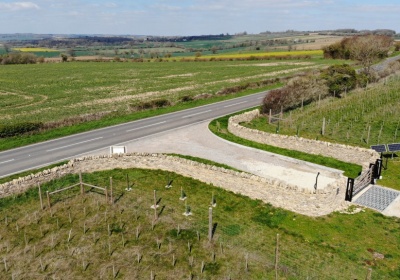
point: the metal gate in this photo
(354, 186)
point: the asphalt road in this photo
(45, 153)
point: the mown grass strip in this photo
(220, 128)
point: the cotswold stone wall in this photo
(341, 152)
(271, 191)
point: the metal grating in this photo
(377, 198)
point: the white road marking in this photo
(145, 126)
(7, 161)
(196, 114)
(59, 148)
(235, 104)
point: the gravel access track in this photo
(198, 141)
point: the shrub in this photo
(18, 58)
(186, 98)
(9, 130)
(299, 91)
(157, 103)
(340, 78)
(397, 46)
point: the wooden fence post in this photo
(369, 274)
(48, 199)
(210, 224)
(80, 182)
(270, 116)
(155, 206)
(369, 131)
(40, 197)
(277, 257)
(319, 100)
(106, 193)
(111, 194)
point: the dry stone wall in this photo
(341, 152)
(271, 191)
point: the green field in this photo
(83, 237)
(52, 92)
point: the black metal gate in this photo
(354, 186)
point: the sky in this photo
(194, 17)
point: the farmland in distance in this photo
(52, 92)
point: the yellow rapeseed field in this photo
(34, 50)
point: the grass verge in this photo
(391, 174)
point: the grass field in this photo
(82, 237)
(52, 92)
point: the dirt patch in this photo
(319, 43)
(79, 58)
(180, 75)
(272, 64)
(276, 73)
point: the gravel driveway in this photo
(198, 141)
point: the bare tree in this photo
(367, 49)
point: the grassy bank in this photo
(83, 237)
(360, 118)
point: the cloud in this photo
(110, 5)
(168, 8)
(379, 8)
(17, 6)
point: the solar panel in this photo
(379, 148)
(395, 147)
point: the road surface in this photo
(45, 153)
